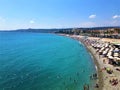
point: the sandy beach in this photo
(105, 80)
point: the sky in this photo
(23, 14)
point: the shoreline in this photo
(96, 63)
(97, 66)
(101, 63)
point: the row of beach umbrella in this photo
(108, 50)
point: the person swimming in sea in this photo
(83, 70)
(75, 81)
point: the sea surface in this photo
(38, 61)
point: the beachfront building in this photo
(105, 33)
(110, 33)
(94, 32)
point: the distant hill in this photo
(62, 29)
(65, 29)
(42, 30)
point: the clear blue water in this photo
(35, 61)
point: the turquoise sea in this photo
(38, 61)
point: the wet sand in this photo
(96, 58)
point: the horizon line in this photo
(57, 28)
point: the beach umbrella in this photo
(110, 57)
(108, 69)
(116, 54)
(102, 48)
(100, 51)
(116, 50)
(97, 50)
(106, 45)
(109, 54)
(118, 59)
(104, 52)
(111, 49)
(97, 46)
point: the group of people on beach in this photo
(108, 53)
(113, 82)
(108, 70)
(94, 76)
